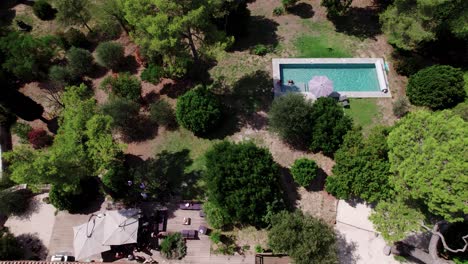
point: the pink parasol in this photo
(320, 86)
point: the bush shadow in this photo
(302, 10)
(318, 183)
(261, 30)
(129, 64)
(359, 22)
(291, 195)
(33, 246)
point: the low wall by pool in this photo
(353, 77)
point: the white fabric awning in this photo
(88, 238)
(121, 227)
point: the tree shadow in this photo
(21, 105)
(346, 250)
(291, 196)
(252, 93)
(261, 30)
(140, 130)
(33, 246)
(359, 22)
(6, 16)
(98, 72)
(176, 89)
(90, 199)
(129, 64)
(318, 184)
(302, 10)
(53, 125)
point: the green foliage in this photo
(329, 125)
(409, 23)
(9, 247)
(115, 180)
(304, 238)
(181, 32)
(43, 10)
(437, 87)
(75, 38)
(61, 75)
(258, 249)
(304, 171)
(198, 110)
(396, 219)
(152, 74)
(260, 50)
(13, 203)
(124, 113)
(80, 61)
(215, 237)
(278, 11)
(73, 12)
(289, 3)
(173, 246)
(106, 30)
(462, 110)
(241, 181)
(124, 85)
(110, 54)
(27, 57)
(427, 154)
(362, 169)
(401, 107)
(73, 201)
(162, 113)
(336, 7)
(290, 117)
(21, 130)
(319, 47)
(6, 117)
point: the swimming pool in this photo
(354, 77)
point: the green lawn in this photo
(364, 112)
(319, 47)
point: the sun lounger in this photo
(189, 234)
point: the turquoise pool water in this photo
(345, 77)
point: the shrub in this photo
(161, 113)
(61, 75)
(289, 3)
(21, 130)
(329, 125)
(110, 54)
(39, 138)
(173, 246)
(304, 171)
(258, 249)
(278, 11)
(198, 110)
(43, 10)
(290, 117)
(260, 50)
(336, 7)
(80, 61)
(215, 237)
(401, 107)
(437, 87)
(106, 30)
(124, 85)
(152, 74)
(124, 112)
(75, 38)
(115, 180)
(462, 110)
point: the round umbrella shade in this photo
(320, 86)
(88, 237)
(121, 227)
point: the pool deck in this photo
(379, 64)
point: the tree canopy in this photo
(329, 125)
(73, 12)
(362, 169)
(304, 171)
(178, 31)
(306, 239)
(198, 110)
(437, 87)
(289, 116)
(409, 23)
(429, 161)
(242, 183)
(26, 57)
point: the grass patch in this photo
(181, 139)
(364, 112)
(319, 47)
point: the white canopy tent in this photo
(105, 230)
(88, 238)
(121, 227)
